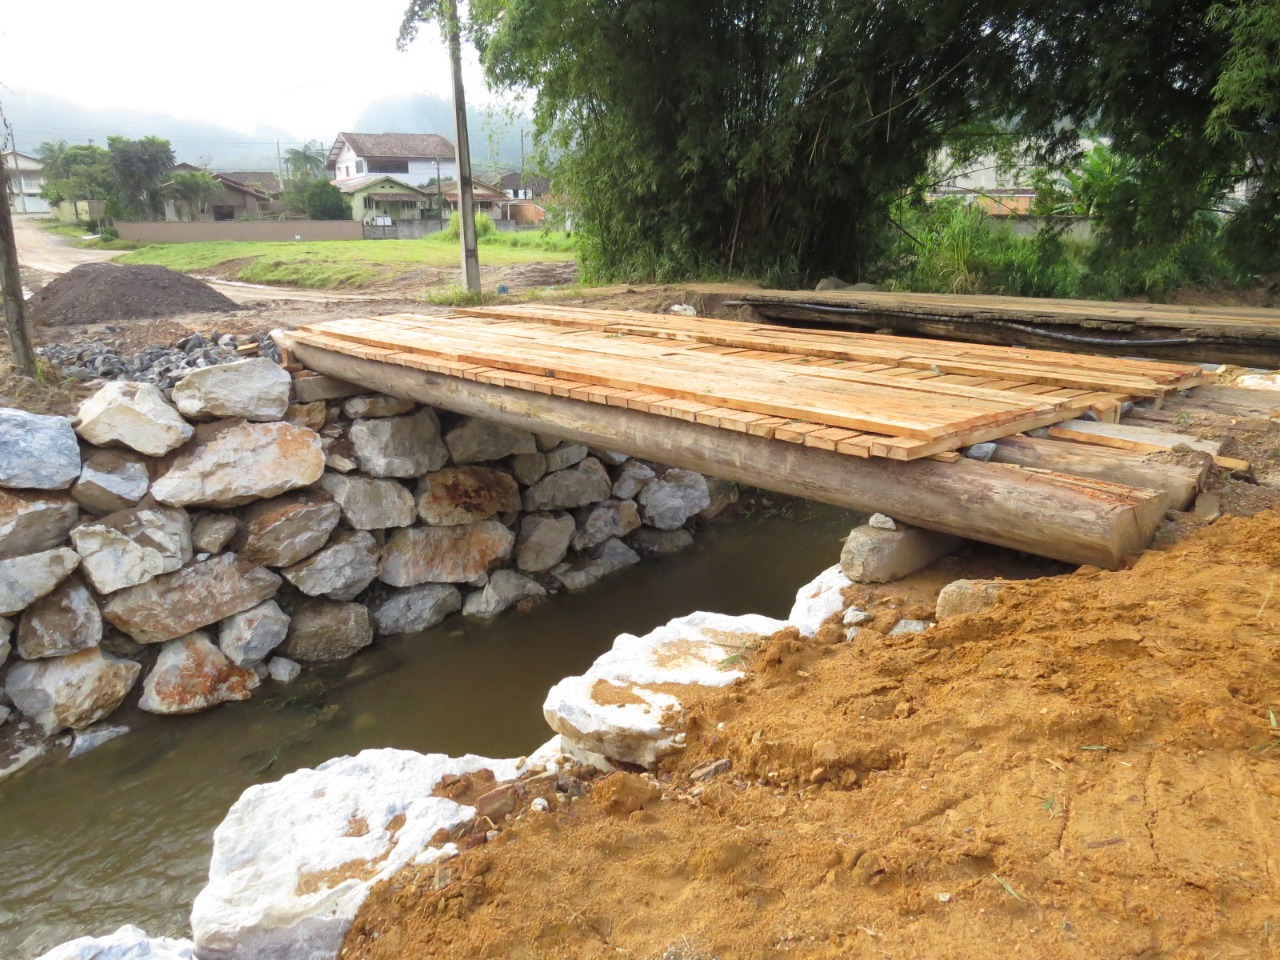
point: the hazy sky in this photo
(304, 67)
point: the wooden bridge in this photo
(870, 422)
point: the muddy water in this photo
(122, 834)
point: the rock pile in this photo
(164, 366)
(196, 545)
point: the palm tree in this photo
(305, 161)
(51, 154)
(192, 190)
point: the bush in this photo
(485, 226)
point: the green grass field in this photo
(328, 264)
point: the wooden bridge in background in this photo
(869, 422)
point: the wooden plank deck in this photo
(859, 395)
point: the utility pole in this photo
(466, 211)
(439, 196)
(15, 317)
(279, 164)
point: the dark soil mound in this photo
(109, 293)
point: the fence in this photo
(268, 230)
(413, 229)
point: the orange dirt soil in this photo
(1084, 770)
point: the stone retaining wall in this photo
(187, 546)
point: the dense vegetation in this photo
(785, 138)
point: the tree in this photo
(193, 189)
(305, 161)
(82, 172)
(318, 200)
(51, 153)
(139, 168)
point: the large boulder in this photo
(399, 446)
(415, 608)
(460, 554)
(369, 504)
(633, 477)
(504, 589)
(612, 518)
(230, 462)
(649, 542)
(131, 547)
(248, 636)
(579, 485)
(294, 860)
(37, 452)
(610, 557)
(72, 691)
(61, 622)
(127, 943)
(667, 503)
(175, 604)
(134, 415)
(339, 570)
(543, 541)
(284, 530)
(31, 521)
(628, 706)
(322, 631)
(25, 579)
(256, 389)
(457, 495)
(191, 674)
(477, 441)
(111, 480)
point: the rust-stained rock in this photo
(179, 603)
(460, 554)
(232, 462)
(458, 495)
(191, 674)
(72, 691)
(31, 521)
(284, 530)
(61, 622)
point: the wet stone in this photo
(413, 609)
(191, 675)
(323, 631)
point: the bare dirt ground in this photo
(1090, 769)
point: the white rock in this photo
(1259, 381)
(415, 608)
(256, 389)
(95, 736)
(818, 600)
(560, 751)
(904, 627)
(247, 637)
(32, 520)
(214, 531)
(632, 478)
(131, 547)
(340, 570)
(612, 518)
(669, 502)
(294, 860)
(72, 691)
(37, 452)
(230, 462)
(369, 504)
(127, 943)
(635, 724)
(881, 522)
(25, 579)
(376, 405)
(134, 415)
(283, 670)
(504, 589)
(399, 446)
(111, 480)
(191, 674)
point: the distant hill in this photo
(37, 117)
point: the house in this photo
(417, 158)
(382, 200)
(26, 177)
(238, 200)
(519, 186)
(487, 198)
(268, 181)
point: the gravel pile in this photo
(109, 293)
(162, 365)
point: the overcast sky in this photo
(304, 67)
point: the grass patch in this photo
(344, 263)
(76, 233)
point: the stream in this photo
(123, 834)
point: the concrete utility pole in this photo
(15, 317)
(466, 206)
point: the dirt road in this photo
(45, 252)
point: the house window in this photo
(224, 213)
(359, 166)
(388, 166)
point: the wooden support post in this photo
(1079, 521)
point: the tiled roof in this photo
(479, 189)
(409, 146)
(517, 181)
(356, 184)
(265, 180)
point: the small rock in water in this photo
(283, 670)
(96, 736)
